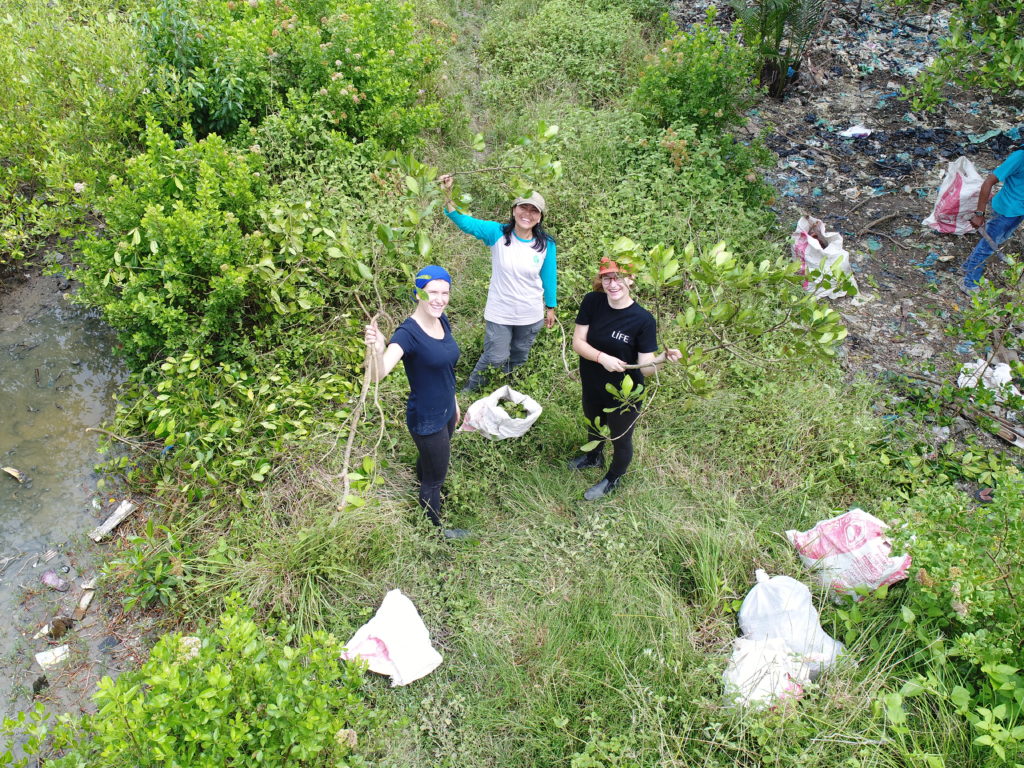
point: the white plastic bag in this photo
(395, 642)
(957, 199)
(780, 607)
(488, 418)
(848, 551)
(761, 672)
(820, 251)
(997, 377)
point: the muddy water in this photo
(58, 373)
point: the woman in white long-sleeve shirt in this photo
(524, 281)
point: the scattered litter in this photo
(874, 244)
(996, 377)
(980, 138)
(821, 255)
(965, 347)
(856, 132)
(124, 509)
(52, 657)
(56, 629)
(904, 231)
(395, 642)
(16, 474)
(39, 684)
(487, 417)
(850, 551)
(941, 433)
(54, 581)
(83, 603)
(957, 199)
(46, 557)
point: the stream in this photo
(59, 370)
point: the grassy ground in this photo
(577, 633)
(581, 634)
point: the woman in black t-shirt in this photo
(612, 332)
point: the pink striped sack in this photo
(848, 551)
(958, 198)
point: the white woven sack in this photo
(781, 607)
(488, 418)
(820, 251)
(957, 199)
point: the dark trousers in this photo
(432, 468)
(621, 423)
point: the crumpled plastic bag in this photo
(848, 551)
(761, 672)
(997, 377)
(488, 418)
(395, 642)
(957, 199)
(781, 608)
(820, 251)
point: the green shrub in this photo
(235, 695)
(177, 263)
(701, 76)
(69, 112)
(360, 68)
(968, 575)
(984, 49)
(561, 46)
(779, 31)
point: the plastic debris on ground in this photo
(820, 253)
(849, 552)
(487, 417)
(856, 132)
(996, 377)
(395, 642)
(957, 199)
(52, 657)
(782, 647)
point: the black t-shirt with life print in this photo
(622, 333)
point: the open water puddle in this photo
(58, 372)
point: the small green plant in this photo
(235, 695)
(699, 77)
(779, 31)
(150, 568)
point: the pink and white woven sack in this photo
(849, 551)
(958, 198)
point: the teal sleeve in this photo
(549, 276)
(487, 231)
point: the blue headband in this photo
(432, 272)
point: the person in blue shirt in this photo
(524, 281)
(1008, 206)
(427, 349)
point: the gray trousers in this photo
(505, 347)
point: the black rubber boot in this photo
(600, 489)
(587, 460)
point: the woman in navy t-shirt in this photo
(427, 349)
(612, 332)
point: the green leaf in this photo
(423, 244)
(907, 615)
(588, 447)
(412, 185)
